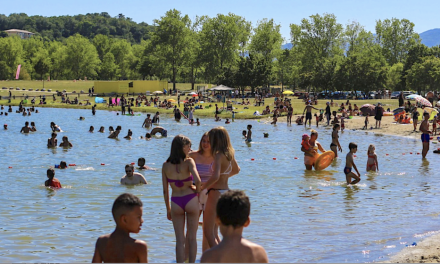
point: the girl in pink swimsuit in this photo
(224, 166)
(372, 164)
(179, 171)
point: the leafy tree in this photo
(171, 39)
(222, 39)
(424, 76)
(11, 54)
(267, 41)
(396, 38)
(394, 76)
(109, 70)
(81, 57)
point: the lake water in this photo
(297, 215)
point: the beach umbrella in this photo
(423, 101)
(288, 92)
(398, 110)
(368, 109)
(412, 97)
(194, 95)
(191, 93)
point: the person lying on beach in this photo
(52, 142)
(26, 129)
(115, 133)
(233, 210)
(350, 164)
(119, 247)
(131, 177)
(129, 134)
(52, 182)
(66, 142)
(33, 128)
(141, 164)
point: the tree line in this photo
(227, 49)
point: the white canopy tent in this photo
(222, 88)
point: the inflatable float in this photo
(388, 114)
(324, 160)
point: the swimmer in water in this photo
(66, 142)
(141, 164)
(5, 126)
(115, 133)
(52, 182)
(91, 129)
(156, 118)
(26, 129)
(147, 136)
(111, 129)
(33, 128)
(160, 130)
(63, 165)
(198, 122)
(81, 118)
(101, 129)
(227, 121)
(54, 127)
(52, 142)
(147, 121)
(131, 177)
(128, 136)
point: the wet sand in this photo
(427, 251)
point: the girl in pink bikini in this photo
(204, 161)
(179, 171)
(372, 164)
(224, 166)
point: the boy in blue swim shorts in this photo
(249, 134)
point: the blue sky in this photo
(423, 14)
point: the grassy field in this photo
(242, 113)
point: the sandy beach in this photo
(388, 125)
(426, 251)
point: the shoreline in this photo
(426, 251)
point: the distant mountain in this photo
(430, 38)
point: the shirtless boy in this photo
(26, 129)
(424, 128)
(308, 110)
(233, 209)
(131, 177)
(350, 164)
(119, 247)
(249, 133)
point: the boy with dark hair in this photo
(118, 246)
(233, 209)
(349, 164)
(141, 164)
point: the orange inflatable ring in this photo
(324, 160)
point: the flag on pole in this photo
(18, 72)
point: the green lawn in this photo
(298, 106)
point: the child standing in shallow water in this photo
(349, 164)
(372, 164)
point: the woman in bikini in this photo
(224, 166)
(334, 146)
(309, 155)
(179, 171)
(204, 161)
